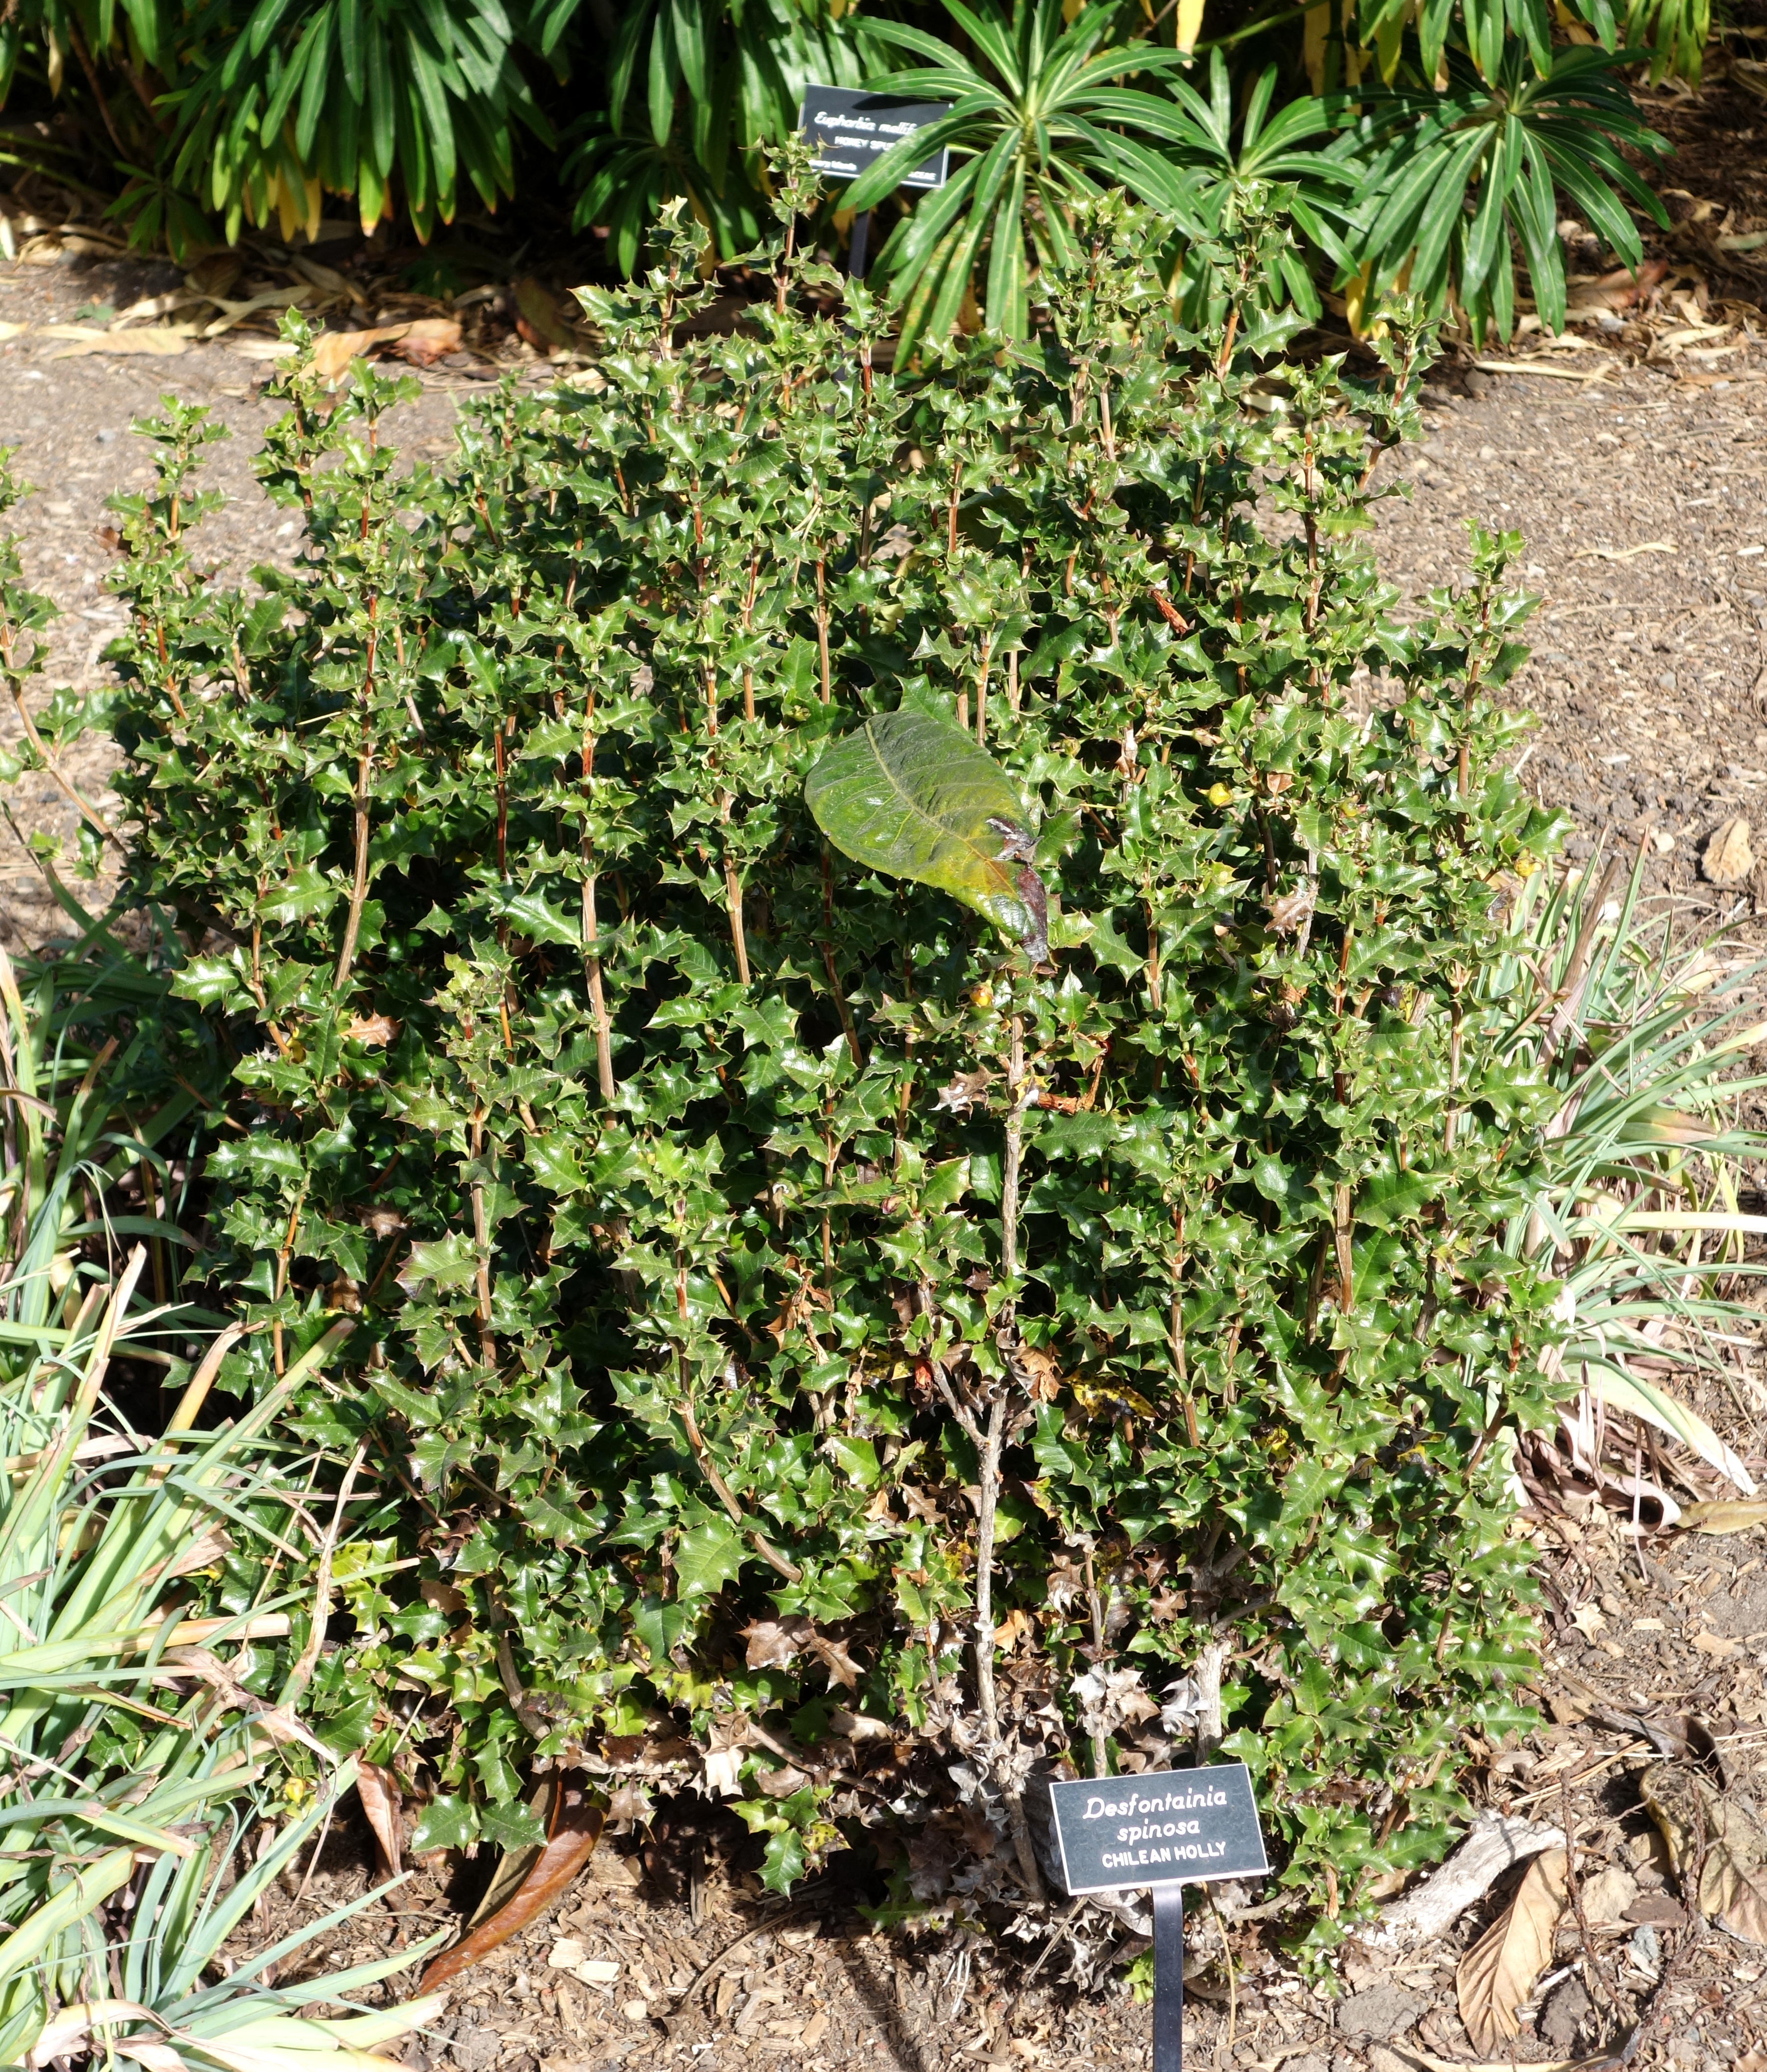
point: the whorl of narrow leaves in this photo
(911, 795)
(745, 1234)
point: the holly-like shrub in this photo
(822, 1339)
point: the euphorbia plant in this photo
(839, 1338)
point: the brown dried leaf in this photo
(374, 1030)
(1292, 909)
(777, 1643)
(628, 1807)
(833, 1656)
(1729, 859)
(426, 341)
(1497, 1973)
(966, 1091)
(781, 1783)
(1733, 1882)
(1041, 1376)
(378, 1789)
(576, 1829)
(334, 349)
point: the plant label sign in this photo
(849, 130)
(1164, 1827)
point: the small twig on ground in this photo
(1048, 1949)
(792, 1906)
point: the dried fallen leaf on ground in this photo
(1729, 858)
(575, 1830)
(1733, 1882)
(1497, 1973)
(1726, 1515)
(429, 339)
(160, 340)
(334, 349)
(1607, 1895)
(1621, 288)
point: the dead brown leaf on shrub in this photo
(375, 1030)
(1497, 1974)
(777, 1643)
(378, 1789)
(1689, 1808)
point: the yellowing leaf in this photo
(910, 794)
(1728, 1515)
(1189, 23)
(1497, 1974)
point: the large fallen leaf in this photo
(160, 340)
(1728, 1515)
(429, 339)
(422, 342)
(1688, 1807)
(575, 1828)
(1633, 1396)
(911, 795)
(334, 349)
(1497, 1974)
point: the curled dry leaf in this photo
(378, 1789)
(833, 1656)
(1497, 1973)
(575, 1830)
(1690, 1809)
(72, 2026)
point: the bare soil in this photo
(1633, 460)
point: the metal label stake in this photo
(1168, 1978)
(1160, 1830)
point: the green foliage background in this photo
(1431, 142)
(658, 1151)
